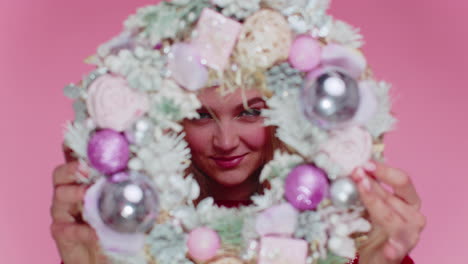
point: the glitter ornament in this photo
(265, 39)
(108, 151)
(305, 53)
(343, 192)
(130, 205)
(203, 243)
(331, 100)
(306, 186)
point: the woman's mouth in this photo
(228, 162)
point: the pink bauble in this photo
(305, 53)
(108, 151)
(203, 243)
(186, 67)
(306, 186)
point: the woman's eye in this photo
(204, 115)
(251, 113)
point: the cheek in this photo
(255, 137)
(198, 139)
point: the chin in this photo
(230, 178)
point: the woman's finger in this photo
(69, 194)
(407, 212)
(400, 182)
(401, 222)
(379, 211)
(65, 213)
(65, 173)
(73, 232)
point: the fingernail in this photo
(365, 183)
(358, 175)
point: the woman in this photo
(229, 147)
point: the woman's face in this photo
(228, 142)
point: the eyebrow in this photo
(241, 105)
(251, 102)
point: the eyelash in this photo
(246, 113)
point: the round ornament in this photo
(343, 192)
(186, 68)
(203, 243)
(128, 206)
(331, 100)
(305, 187)
(305, 53)
(108, 151)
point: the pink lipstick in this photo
(228, 162)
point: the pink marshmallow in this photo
(216, 37)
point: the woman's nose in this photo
(225, 139)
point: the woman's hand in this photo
(76, 241)
(395, 216)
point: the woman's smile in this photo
(228, 162)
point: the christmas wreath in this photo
(325, 105)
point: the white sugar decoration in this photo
(171, 105)
(76, 138)
(330, 227)
(345, 34)
(239, 9)
(293, 128)
(280, 166)
(123, 41)
(116, 258)
(383, 121)
(165, 159)
(142, 67)
(167, 243)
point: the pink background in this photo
(418, 45)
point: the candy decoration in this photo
(129, 206)
(343, 192)
(275, 250)
(113, 104)
(305, 187)
(216, 37)
(265, 39)
(331, 100)
(305, 53)
(203, 243)
(279, 219)
(108, 151)
(185, 67)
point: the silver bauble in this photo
(142, 132)
(343, 193)
(128, 205)
(331, 100)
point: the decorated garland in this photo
(328, 111)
